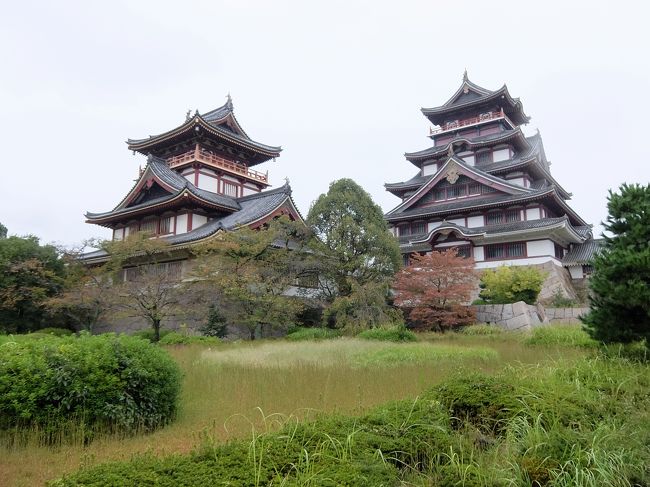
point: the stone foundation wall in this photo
(565, 315)
(522, 316)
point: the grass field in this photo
(230, 389)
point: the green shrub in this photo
(59, 332)
(216, 325)
(106, 382)
(298, 333)
(483, 401)
(510, 284)
(396, 334)
(482, 329)
(559, 300)
(561, 335)
(175, 338)
(148, 334)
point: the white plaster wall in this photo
(540, 247)
(489, 264)
(181, 223)
(532, 214)
(198, 220)
(475, 221)
(189, 177)
(208, 183)
(469, 159)
(458, 221)
(248, 191)
(432, 225)
(501, 155)
(519, 181)
(230, 178)
(576, 272)
(118, 234)
(479, 255)
(429, 169)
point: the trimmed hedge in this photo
(105, 382)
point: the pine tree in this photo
(620, 284)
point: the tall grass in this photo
(225, 384)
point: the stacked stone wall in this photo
(522, 316)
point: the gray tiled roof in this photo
(209, 121)
(466, 204)
(253, 208)
(462, 101)
(472, 141)
(495, 229)
(159, 168)
(583, 253)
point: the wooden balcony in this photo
(217, 162)
(482, 118)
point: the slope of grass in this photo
(225, 387)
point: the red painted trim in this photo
(175, 216)
(189, 221)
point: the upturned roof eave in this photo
(515, 104)
(113, 216)
(437, 150)
(434, 178)
(524, 198)
(142, 145)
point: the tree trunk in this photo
(156, 330)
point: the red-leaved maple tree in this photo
(434, 290)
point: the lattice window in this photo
(513, 216)
(230, 189)
(166, 225)
(508, 250)
(418, 228)
(484, 157)
(494, 218)
(149, 226)
(474, 188)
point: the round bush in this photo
(106, 382)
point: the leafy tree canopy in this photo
(29, 274)
(3, 231)
(509, 284)
(435, 289)
(620, 284)
(248, 272)
(353, 238)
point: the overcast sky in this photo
(338, 84)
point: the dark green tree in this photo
(353, 239)
(3, 231)
(620, 285)
(30, 273)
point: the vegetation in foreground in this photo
(83, 385)
(570, 417)
(549, 425)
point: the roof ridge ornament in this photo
(229, 101)
(188, 115)
(465, 78)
